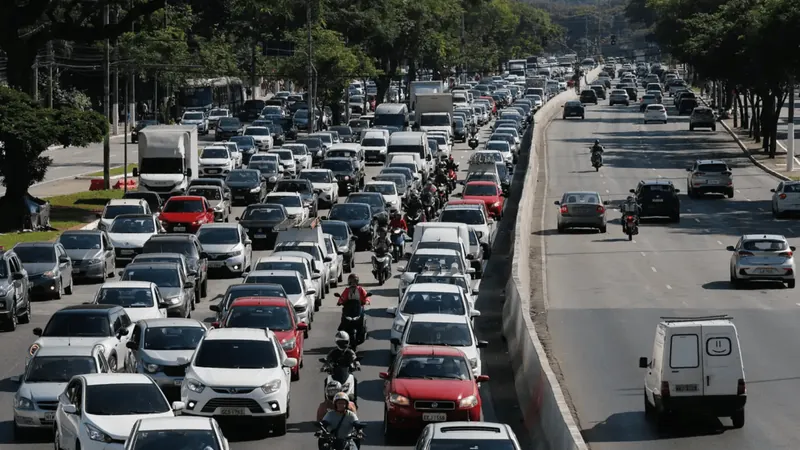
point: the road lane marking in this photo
(644, 254)
(738, 191)
(669, 287)
(719, 242)
(661, 176)
(761, 209)
(633, 242)
(747, 199)
(707, 230)
(696, 219)
(790, 230)
(688, 210)
(653, 269)
(607, 191)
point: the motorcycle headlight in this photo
(289, 344)
(194, 385)
(347, 178)
(345, 387)
(468, 402)
(151, 368)
(271, 387)
(96, 435)
(22, 403)
(256, 189)
(398, 399)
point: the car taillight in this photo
(742, 253)
(601, 209)
(564, 209)
(664, 389)
(786, 254)
(782, 196)
(629, 218)
(741, 387)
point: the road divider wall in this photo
(544, 408)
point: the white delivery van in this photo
(696, 367)
(412, 142)
(421, 228)
(309, 230)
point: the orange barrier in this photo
(97, 184)
(120, 184)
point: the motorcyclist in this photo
(341, 422)
(597, 147)
(430, 191)
(441, 175)
(353, 291)
(413, 204)
(630, 207)
(382, 242)
(397, 221)
(451, 164)
(333, 388)
(342, 354)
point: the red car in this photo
(487, 191)
(429, 383)
(275, 313)
(185, 214)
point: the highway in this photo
(306, 393)
(605, 295)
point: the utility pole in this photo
(312, 112)
(115, 106)
(106, 101)
(125, 131)
(790, 144)
(132, 81)
(50, 61)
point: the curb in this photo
(113, 177)
(91, 225)
(113, 137)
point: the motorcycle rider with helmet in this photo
(341, 422)
(430, 192)
(353, 291)
(342, 354)
(630, 207)
(597, 147)
(382, 241)
(333, 388)
(397, 221)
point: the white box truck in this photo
(435, 112)
(168, 157)
(423, 87)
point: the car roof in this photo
(656, 182)
(438, 318)
(249, 334)
(470, 431)
(125, 201)
(175, 423)
(435, 251)
(151, 256)
(89, 232)
(99, 379)
(65, 350)
(434, 287)
(260, 301)
(172, 236)
(277, 273)
(758, 237)
(338, 158)
(87, 309)
(281, 257)
(283, 194)
(186, 197)
(482, 183)
(35, 244)
(234, 226)
(432, 350)
(172, 322)
(711, 161)
(126, 284)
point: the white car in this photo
(292, 201)
(295, 287)
(119, 206)
(444, 329)
(262, 136)
(128, 234)
(286, 160)
(302, 157)
(215, 161)
(462, 280)
(473, 216)
(762, 257)
(44, 379)
(443, 141)
(215, 114)
(511, 131)
(99, 409)
(387, 189)
(312, 250)
(427, 259)
(655, 113)
(302, 263)
(374, 145)
(165, 432)
(503, 147)
(428, 298)
(324, 182)
(326, 138)
(786, 198)
(227, 245)
(272, 110)
(196, 118)
(239, 372)
(140, 299)
(337, 261)
(236, 153)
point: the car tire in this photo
(603, 229)
(676, 218)
(735, 282)
(790, 284)
(112, 364)
(59, 289)
(730, 193)
(389, 433)
(713, 128)
(738, 418)
(203, 289)
(648, 408)
(278, 425)
(68, 289)
(691, 127)
(26, 318)
(583, 117)
(560, 229)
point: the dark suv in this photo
(588, 96)
(687, 105)
(702, 117)
(658, 198)
(189, 246)
(348, 176)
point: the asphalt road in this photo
(306, 393)
(606, 294)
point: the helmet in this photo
(597, 142)
(352, 279)
(395, 214)
(341, 397)
(342, 339)
(333, 388)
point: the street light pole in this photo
(312, 113)
(790, 144)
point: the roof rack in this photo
(306, 223)
(697, 318)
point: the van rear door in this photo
(684, 370)
(722, 367)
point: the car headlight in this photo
(95, 434)
(49, 274)
(398, 327)
(3, 293)
(398, 399)
(151, 368)
(468, 402)
(289, 344)
(271, 387)
(473, 362)
(319, 153)
(256, 189)
(194, 385)
(347, 178)
(174, 300)
(22, 403)
(343, 249)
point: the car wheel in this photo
(112, 363)
(738, 419)
(68, 289)
(735, 282)
(203, 288)
(279, 425)
(730, 193)
(790, 284)
(676, 218)
(11, 324)
(691, 127)
(560, 229)
(26, 318)
(713, 128)
(59, 289)
(603, 229)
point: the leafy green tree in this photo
(26, 131)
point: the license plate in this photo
(177, 382)
(213, 171)
(215, 264)
(231, 412)
(765, 270)
(260, 236)
(713, 182)
(434, 417)
(50, 416)
(130, 252)
(658, 200)
(239, 197)
(178, 229)
(76, 270)
(685, 388)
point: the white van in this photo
(309, 230)
(412, 142)
(408, 158)
(696, 367)
(421, 228)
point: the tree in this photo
(26, 131)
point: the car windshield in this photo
(343, 131)
(338, 165)
(381, 188)
(163, 278)
(215, 153)
(316, 176)
(284, 155)
(291, 285)
(358, 123)
(35, 254)
(791, 188)
(236, 354)
(208, 193)
(373, 142)
(310, 143)
(655, 108)
(441, 140)
(229, 122)
(275, 318)
(399, 181)
(184, 206)
(500, 146)
(581, 198)
(78, 325)
(294, 186)
(310, 249)
(297, 150)
(400, 171)
(80, 241)
(301, 114)
(171, 246)
(372, 200)
(238, 176)
(260, 131)
(140, 297)
(175, 439)
(656, 188)
(218, 113)
(480, 190)
(289, 201)
(469, 216)
(765, 245)
(267, 168)
(58, 369)
(218, 235)
(410, 166)
(112, 211)
(252, 290)
(507, 130)
(340, 154)
(713, 167)
(140, 398)
(193, 116)
(434, 120)
(264, 213)
(349, 212)
(283, 265)
(433, 367)
(243, 141)
(486, 157)
(172, 338)
(426, 263)
(337, 230)
(448, 334)
(133, 225)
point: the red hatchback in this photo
(185, 214)
(488, 192)
(428, 384)
(275, 313)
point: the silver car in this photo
(91, 252)
(618, 97)
(227, 245)
(762, 257)
(176, 289)
(709, 176)
(786, 198)
(581, 209)
(216, 199)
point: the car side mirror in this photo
(792, 248)
(18, 276)
(311, 292)
(632, 191)
(37, 331)
(328, 259)
(383, 375)
(188, 285)
(475, 313)
(772, 190)
(70, 409)
(677, 191)
(483, 344)
(16, 379)
(178, 406)
(482, 378)
(189, 173)
(730, 248)
(605, 202)
(203, 255)
(302, 326)
(392, 311)
(556, 202)
(688, 169)
(135, 172)
(99, 215)
(132, 345)
(122, 332)
(395, 341)
(643, 363)
(215, 308)
(401, 269)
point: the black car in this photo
(153, 200)
(270, 172)
(251, 110)
(573, 108)
(247, 186)
(278, 136)
(687, 105)
(599, 90)
(588, 96)
(315, 147)
(344, 239)
(459, 130)
(189, 246)
(247, 145)
(633, 93)
(139, 126)
(210, 182)
(262, 223)
(289, 130)
(227, 128)
(306, 190)
(347, 174)
(375, 201)
(345, 133)
(506, 174)
(357, 216)
(658, 198)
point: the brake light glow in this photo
(786, 254)
(782, 196)
(564, 209)
(629, 218)
(743, 253)
(601, 209)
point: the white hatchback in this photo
(444, 329)
(655, 113)
(762, 257)
(786, 198)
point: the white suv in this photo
(239, 372)
(467, 435)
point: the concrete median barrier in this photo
(546, 413)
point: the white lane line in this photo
(653, 269)
(87, 161)
(798, 304)
(607, 191)
(661, 176)
(789, 230)
(633, 241)
(669, 287)
(719, 242)
(688, 210)
(696, 219)
(653, 169)
(643, 254)
(748, 199)
(738, 191)
(707, 230)
(604, 182)
(761, 209)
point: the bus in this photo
(517, 67)
(207, 93)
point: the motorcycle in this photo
(597, 160)
(413, 220)
(630, 226)
(331, 389)
(442, 190)
(327, 441)
(342, 374)
(429, 204)
(353, 321)
(398, 243)
(381, 266)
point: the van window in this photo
(684, 351)
(718, 346)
